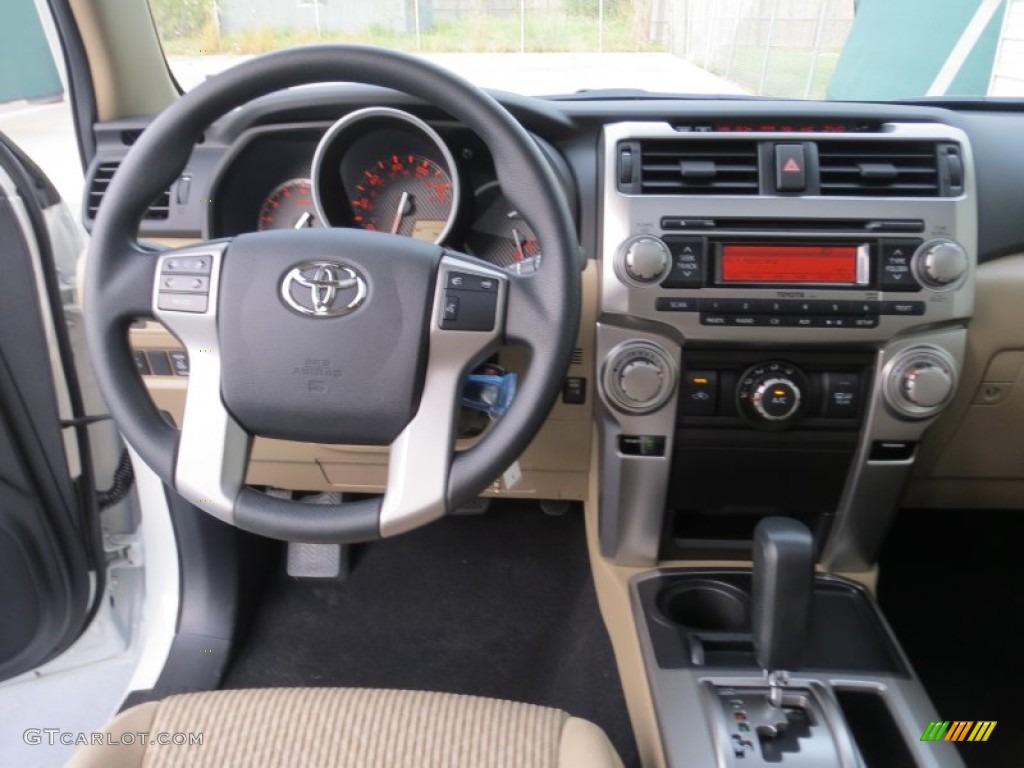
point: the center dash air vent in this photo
(697, 167)
(879, 168)
(158, 210)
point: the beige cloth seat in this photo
(320, 727)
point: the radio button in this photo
(804, 321)
(687, 268)
(713, 319)
(750, 321)
(833, 307)
(865, 321)
(776, 307)
(717, 306)
(862, 307)
(749, 306)
(894, 272)
(903, 307)
(675, 304)
(803, 307)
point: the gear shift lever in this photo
(781, 612)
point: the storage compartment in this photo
(874, 731)
(719, 492)
(701, 618)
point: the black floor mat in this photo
(498, 605)
(952, 587)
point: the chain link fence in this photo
(769, 47)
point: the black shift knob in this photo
(783, 584)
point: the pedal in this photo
(315, 561)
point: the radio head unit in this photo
(722, 260)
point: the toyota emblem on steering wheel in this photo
(323, 289)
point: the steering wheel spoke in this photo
(467, 323)
(213, 449)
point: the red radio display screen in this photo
(827, 264)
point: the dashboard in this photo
(813, 298)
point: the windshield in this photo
(810, 49)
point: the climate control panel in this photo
(638, 377)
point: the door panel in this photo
(45, 520)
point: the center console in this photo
(782, 315)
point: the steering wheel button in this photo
(185, 283)
(193, 265)
(463, 281)
(451, 308)
(473, 310)
(183, 302)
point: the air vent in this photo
(698, 167)
(159, 210)
(577, 356)
(879, 168)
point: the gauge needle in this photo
(520, 254)
(304, 220)
(402, 206)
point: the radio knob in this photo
(638, 377)
(770, 395)
(646, 259)
(941, 263)
(920, 381)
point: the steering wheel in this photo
(329, 335)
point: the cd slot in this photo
(748, 224)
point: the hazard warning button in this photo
(790, 170)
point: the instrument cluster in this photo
(379, 169)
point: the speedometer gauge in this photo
(289, 206)
(386, 170)
(406, 194)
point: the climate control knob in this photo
(645, 259)
(638, 377)
(771, 394)
(920, 381)
(776, 399)
(641, 380)
(941, 263)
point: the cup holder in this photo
(706, 604)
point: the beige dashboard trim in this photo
(972, 455)
(126, 61)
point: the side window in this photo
(35, 109)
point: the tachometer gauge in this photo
(499, 234)
(386, 170)
(406, 194)
(289, 206)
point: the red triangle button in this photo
(791, 166)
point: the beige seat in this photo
(313, 727)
